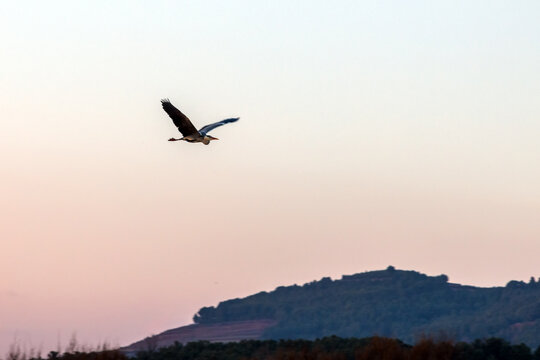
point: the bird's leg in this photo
(173, 139)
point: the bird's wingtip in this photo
(165, 100)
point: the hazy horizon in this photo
(371, 133)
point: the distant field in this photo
(223, 332)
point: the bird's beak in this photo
(215, 139)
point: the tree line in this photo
(328, 348)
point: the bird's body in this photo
(186, 128)
(196, 138)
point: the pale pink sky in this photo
(371, 134)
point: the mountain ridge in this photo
(404, 304)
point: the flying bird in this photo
(184, 125)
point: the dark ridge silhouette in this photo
(392, 303)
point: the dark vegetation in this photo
(73, 351)
(328, 348)
(391, 303)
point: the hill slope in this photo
(222, 332)
(394, 303)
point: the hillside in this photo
(222, 332)
(393, 303)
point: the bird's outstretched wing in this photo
(205, 129)
(180, 120)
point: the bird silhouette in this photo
(186, 128)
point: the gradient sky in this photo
(372, 133)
